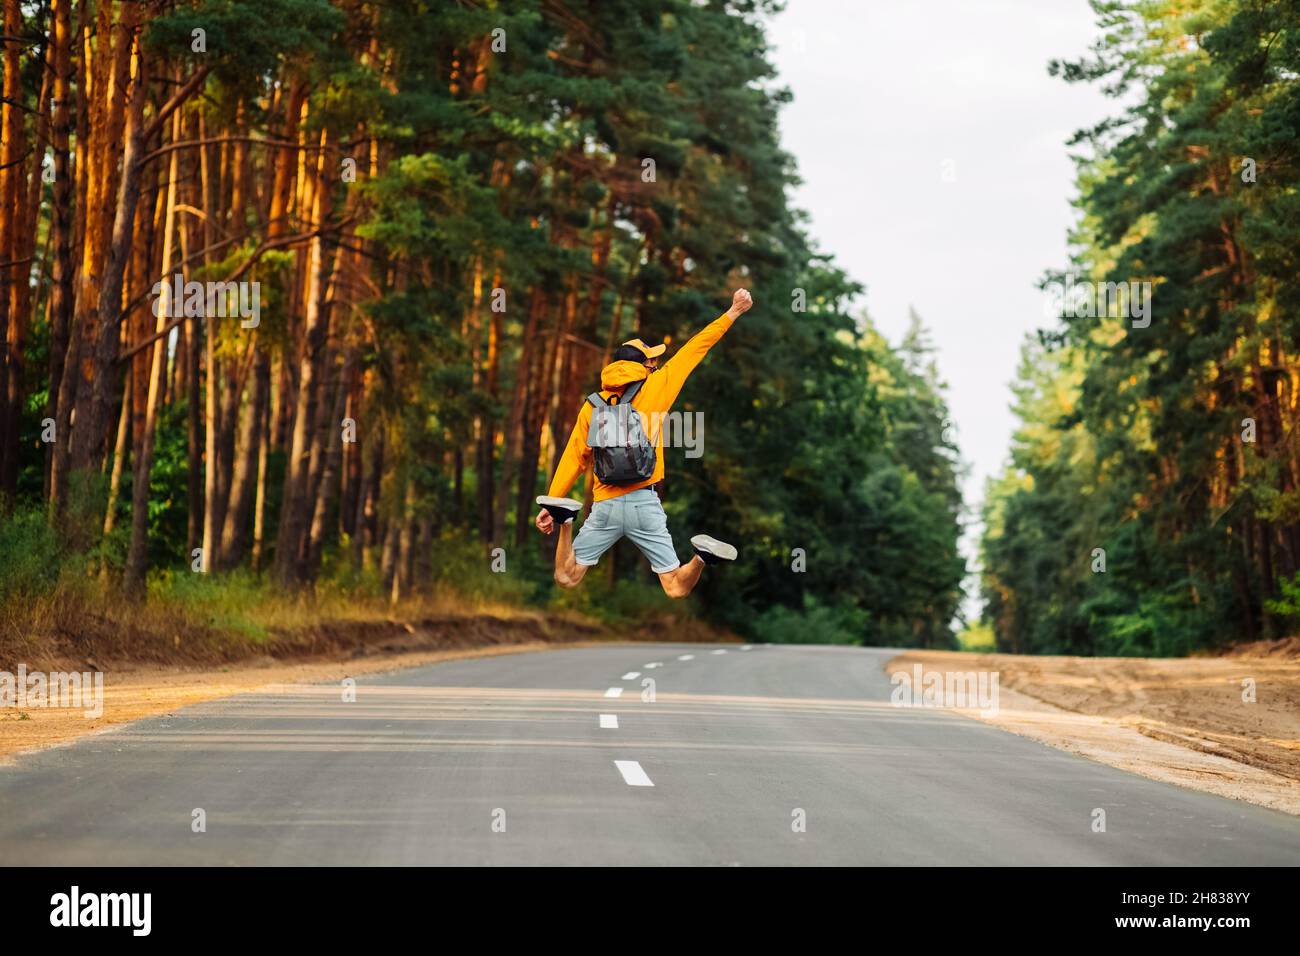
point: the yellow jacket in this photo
(655, 399)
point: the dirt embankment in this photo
(91, 640)
(144, 675)
(1227, 725)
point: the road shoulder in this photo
(1176, 721)
(133, 693)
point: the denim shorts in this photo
(637, 514)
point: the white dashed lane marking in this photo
(632, 773)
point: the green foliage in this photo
(977, 639)
(849, 462)
(623, 603)
(526, 171)
(224, 602)
(465, 567)
(1287, 604)
(813, 623)
(168, 498)
(246, 40)
(1130, 441)
(31, 555)
(833, 442)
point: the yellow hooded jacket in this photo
(655, 399)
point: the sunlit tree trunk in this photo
(137, 553)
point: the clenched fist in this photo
(741, 303)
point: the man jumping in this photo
(626, 503)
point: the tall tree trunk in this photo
(263, 454)
(325, 493)
(193, 432)
(26, 208)
(350, 478)
(326, 425)
(11, 271)
(119, 457)
(212, 389)
(60, 222)
(244, 481)
(137, 553)
(295, 508)
(392, 533)
(366, 531)
(212, 386)
(513, 437)
(536, 404)
(405, 526)
(128, 93)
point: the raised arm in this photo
(675, 371)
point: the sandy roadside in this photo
(131, 693)
(1181, 721)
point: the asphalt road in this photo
(515, 760)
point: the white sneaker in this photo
(563, 510)
(711, 550)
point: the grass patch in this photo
(60, 603)
(978, 639)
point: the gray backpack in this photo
(622, 453)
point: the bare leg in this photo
(568, 572)
(680, 582)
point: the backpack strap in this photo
(630, 392)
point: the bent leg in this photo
(680, 582)
(568, 572)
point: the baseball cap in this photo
(649, 351)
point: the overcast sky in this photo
(931, 143)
